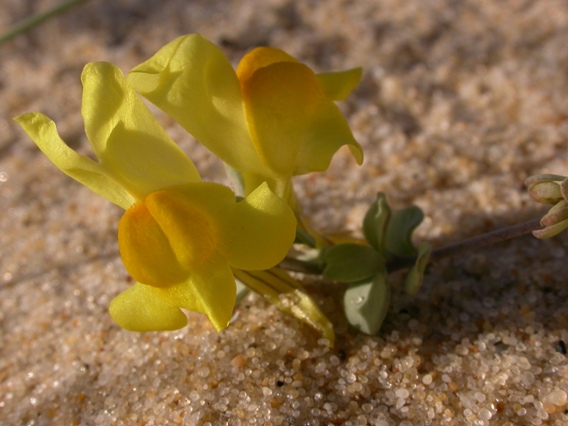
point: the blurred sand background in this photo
(460, 102)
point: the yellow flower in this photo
(271, 119)
(179, 237)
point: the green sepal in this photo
(350, 263)
(366, 303)
(400, 229)
(236, 179)
(242, 291)
(376, 221)
(302, 237)
(415, 276)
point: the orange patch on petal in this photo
(166, 236)
(192, 232)
(259, 58)
(145, 249)
(280, 101)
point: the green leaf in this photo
(375, 223)
(400, 229)
(366, 304)
(415, 276)
(351, 262)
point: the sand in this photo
(459, 103)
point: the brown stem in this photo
(297, 265)
(456, 249)
(484, 240)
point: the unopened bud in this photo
(554, 222)
(546, 189)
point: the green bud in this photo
(415, 276)
(546, 188)
(556, 214)
(546, 192)
(555, 221)
(375, 223)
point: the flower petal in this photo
(296, 129)
(126, 137)
(146, 250)
(172, 231)
(213, 288)
(192, 81)
(259, 58)
(338, 85)
(328, 131)
(280, 100)
(262, 230)
(144, 308)
(43, 132)
(254, 233)
(191, 222)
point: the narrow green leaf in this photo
(289, 296)
(350, 263)
(400, 229)
(415, 276)
(366, 304)
(35, 20)
(375, 223)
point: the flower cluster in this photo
(184, 240)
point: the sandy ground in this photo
(459, 103)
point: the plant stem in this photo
(479, 241)
(35, 20)
(297, 265)
(484, 240)
(493, 237)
